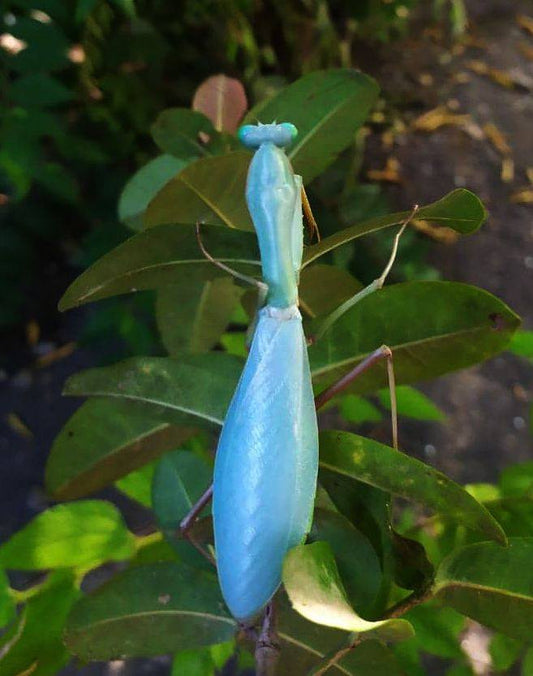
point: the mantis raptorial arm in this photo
(309, 216)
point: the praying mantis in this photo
(266, 462)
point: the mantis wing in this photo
(266, 464)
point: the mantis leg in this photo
(373, 286)
(378, 355)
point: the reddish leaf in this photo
(222, 99)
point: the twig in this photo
(267, 647)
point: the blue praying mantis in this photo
(266, 462)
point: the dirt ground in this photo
(487, 406)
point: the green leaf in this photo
(327, 107)
(437, 629)
(304, 643)
(56, 179)
(104, 440)
(180, 479)
(149, 610)
(432, 328)
(515, 515)
(202, 661)
(527, 664)
(47, 46)
(83, 9)
(504, 652)
(315, 589)
(143, 186)
(159, 257)
(210, 191)
(358, 564)
(358, 410)
(522, 344)
(193, 662)
(517, 480)
(75, 534)
(234, 343)
(137, 485)
(35, 644)
(369, 509)
(206, 385)
(383, 467)
(193, 313)
(177, 132)
(491, 584)
(412, 403)
(460, 210)
(7, 604)
(38, 90)
(412, 568)
(323, 288)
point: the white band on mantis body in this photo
(281, 313)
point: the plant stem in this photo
(267, 648)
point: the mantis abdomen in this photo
(266, 467)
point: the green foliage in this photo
(77, 534)
(314, 587)
(368, 574)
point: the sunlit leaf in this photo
(522, 344)
(74, 534)
(315, 589)
(412, 404)
(358, 564)
(7, 604)
(137, 485)
(491, 584)
(358, 410)
(392, 471)
(35, 645)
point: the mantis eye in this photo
(290, 129)
(281, 135)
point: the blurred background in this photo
(82, 82)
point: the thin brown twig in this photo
(267, 648)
